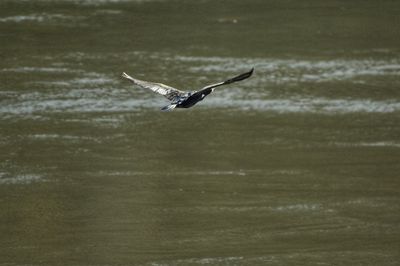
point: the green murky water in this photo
(298, 165)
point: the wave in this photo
(18, 179)
(291, 71)
(94, 2)
(377, 144)
(39, 18)
(304, 104)
(114, 100)
(290, 256)
(98, 92)
(26, 69)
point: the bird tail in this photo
(169, 107)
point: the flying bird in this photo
(183, 99)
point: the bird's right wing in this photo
(229, 81)
(168, 92)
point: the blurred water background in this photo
(298, 165)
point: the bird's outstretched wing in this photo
(237, 78)
(170, 93)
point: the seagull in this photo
(183, 99)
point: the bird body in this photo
(183, 99)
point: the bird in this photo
(179, 98)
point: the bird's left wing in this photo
(235, 79)
(168, 92)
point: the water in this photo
(298, 165)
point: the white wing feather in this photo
(168, 92)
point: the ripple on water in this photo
(27, 69)
(292, 70)
(303, 104)
(276, 257)
(95, 2)
(98, 92)
(369, 144)
(40, 18)
(113, 100)
(7, 179)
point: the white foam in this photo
(298, 207)
(102, 2)
(225, 173)
(38, 18)
(18, 179)
(92, 81)
(103, 100)
(304, 105)
(96, 2)
(381, 144)
(97, 92)
(283, 208)
(201, 261)
(75, 105)
(86, 81)
(59, 136)
(290, 70)
(39, 69)
(214, 260)
(370, 144)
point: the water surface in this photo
(297, 165)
